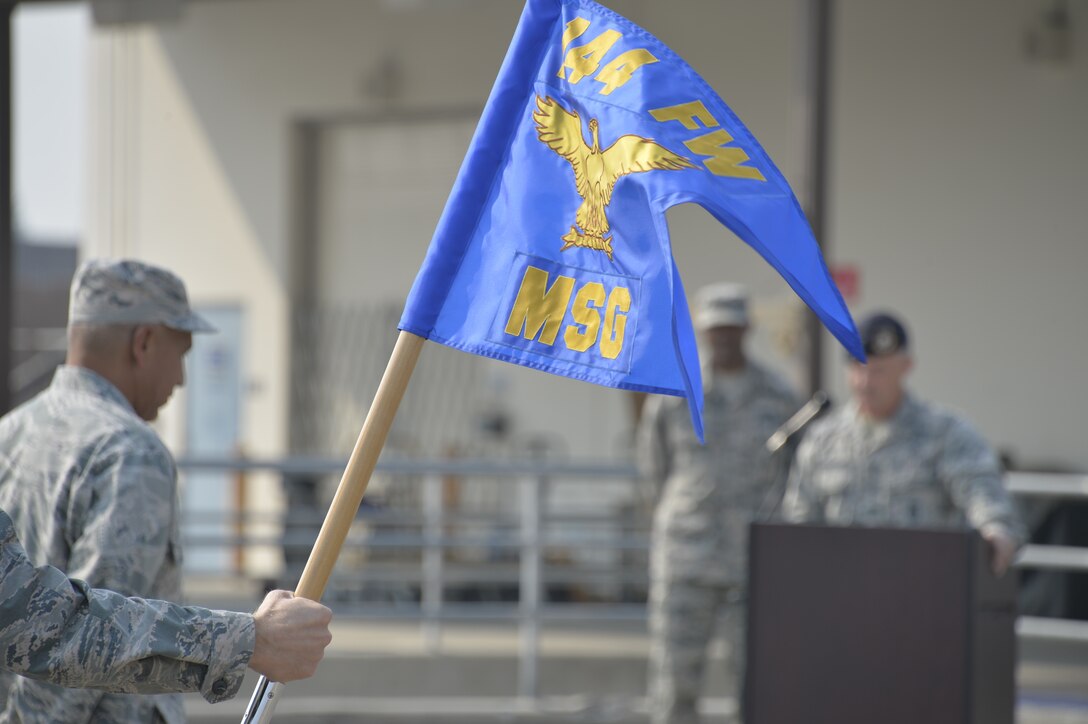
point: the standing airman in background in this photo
(707, 496)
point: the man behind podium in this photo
(890, 459)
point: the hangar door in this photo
(376, 187)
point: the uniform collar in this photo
(70, 378)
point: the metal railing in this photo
(417, 546)
(417, 549)
(1053, 487)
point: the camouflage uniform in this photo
(60, 630)
(92, 490)
(700, 527)
(923, 467)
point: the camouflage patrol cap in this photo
(124, 291)
(883, 334)
(721, 305)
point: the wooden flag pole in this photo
(349, 494)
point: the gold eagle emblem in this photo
(596, 171)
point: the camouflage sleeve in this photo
(121, 517)
(652, 448)
(971, 473)
(59, 630)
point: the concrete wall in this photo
(959, 183)
(958, 176)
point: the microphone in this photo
(802, 417)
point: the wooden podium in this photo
(877, 626)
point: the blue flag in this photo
(553, 251)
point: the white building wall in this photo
(960, 181)
(161, 193)
(959, 171)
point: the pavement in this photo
(399, 672)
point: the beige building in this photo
(290, 159)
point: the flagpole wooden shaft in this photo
(349, 494)
(360, 466)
